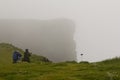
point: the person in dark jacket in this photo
(27, 55)
(16, 56)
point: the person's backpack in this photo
(15, 55)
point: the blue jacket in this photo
(16, 55)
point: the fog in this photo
(50, 38)
(97, 22)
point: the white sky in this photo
(97, 22)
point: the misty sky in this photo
(97, 22)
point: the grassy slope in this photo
(106, 70)
(6, 51)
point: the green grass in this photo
(38, 69)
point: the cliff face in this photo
(50, 38)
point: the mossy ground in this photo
(105, 70)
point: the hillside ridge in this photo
(7, 49)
